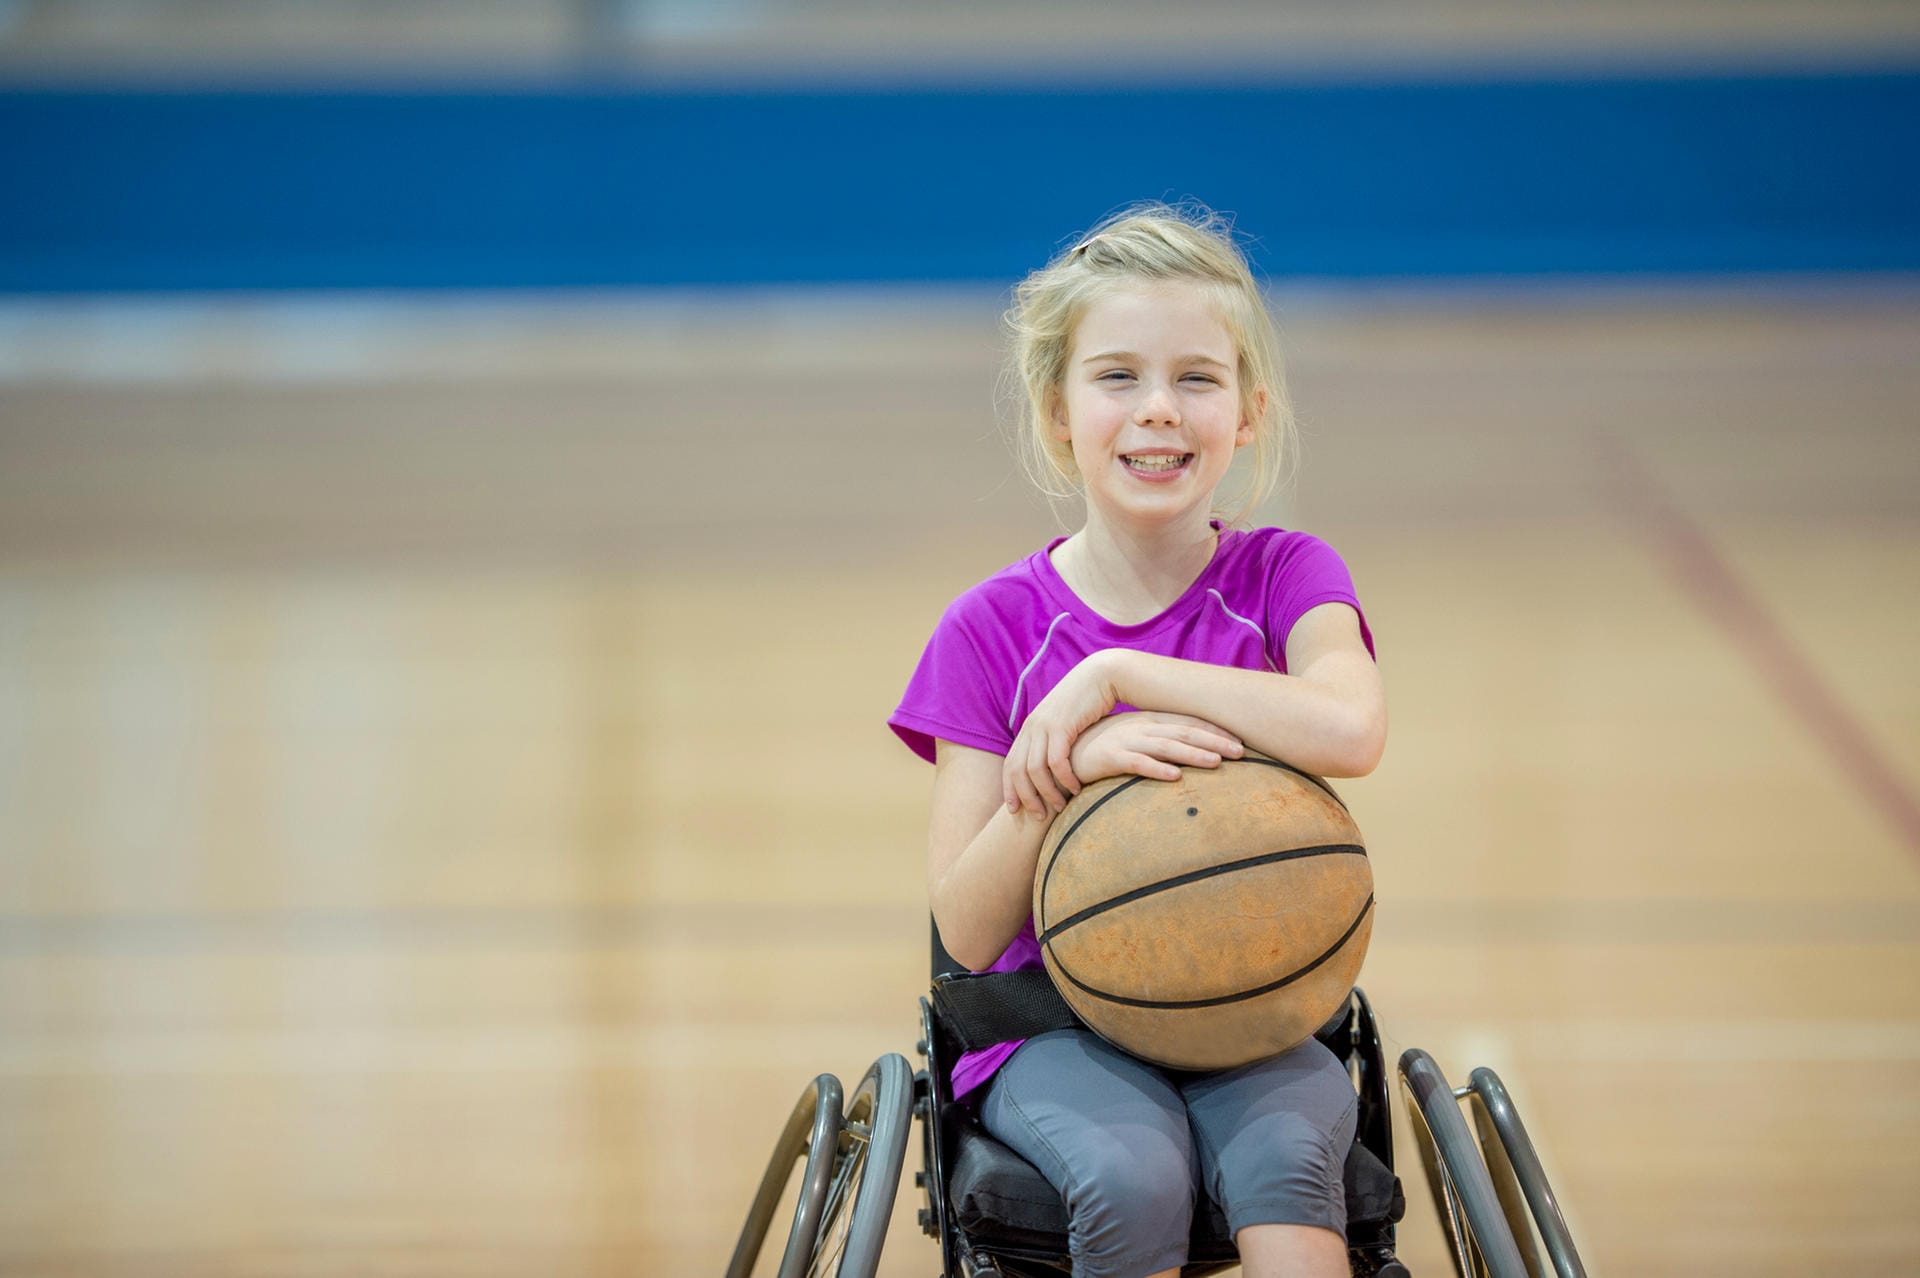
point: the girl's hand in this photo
(1039, 772)
(1151, 743)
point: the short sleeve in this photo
(1307, 572)
(953, 695)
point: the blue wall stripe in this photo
(146, 189)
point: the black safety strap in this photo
(983, 1008)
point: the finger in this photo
(1025, 798)
(1039, 768)
(1209, 725)
(1145, 765)
(1060, 762)
(1047, 800)
(1179, 752)
(1176, 751)
(1208, 737)
(1046, 787)
(1014, 777)
(1031, 800)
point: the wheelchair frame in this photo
(1497, 1211)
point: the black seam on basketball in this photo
(1074, 829)
(1221, 1000)
(1288, 767)
(1045, 942)
(1196, 876)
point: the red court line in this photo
(1715, 587)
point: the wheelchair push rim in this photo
(1532, 1208)
(813, 1131)
(869, 1153)
(1480, 1242)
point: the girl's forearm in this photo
(1333, 724)
(984, 897)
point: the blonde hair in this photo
(1151, 242)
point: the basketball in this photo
(1206, 922)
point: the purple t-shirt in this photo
(1005, 643)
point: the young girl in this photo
(1155, 638)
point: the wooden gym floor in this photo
(446, 814)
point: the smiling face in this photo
(1151, 403)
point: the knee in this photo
(1310, 1156)
(1132, 1209)
(1296, 1177)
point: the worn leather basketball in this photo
(1206, 922)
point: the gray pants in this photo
(1126, 1143)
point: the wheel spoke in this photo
(837, 1218)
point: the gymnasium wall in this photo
(132, 183)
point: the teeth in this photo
(1158, 462)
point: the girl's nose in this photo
(1158, 407)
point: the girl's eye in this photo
(1115, 375)
(1202, 378)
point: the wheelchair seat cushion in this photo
(1374, 1196)
(1001, 1199)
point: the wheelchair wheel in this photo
(1525, 1196)
(813, 1131)
(1481, 1243)
(872, 1146)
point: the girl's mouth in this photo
(1155, 463)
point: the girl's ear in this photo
(1057, 417)
(1249, 425)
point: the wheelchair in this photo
(995, 1216)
